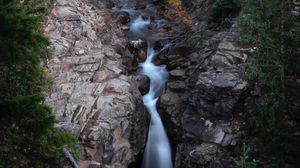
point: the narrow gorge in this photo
(170, 83)
(98, 92)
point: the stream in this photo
(158, 151)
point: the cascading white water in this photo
(158, 152)
(138, 24)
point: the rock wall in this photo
(211, 118)
(205, 94)
(95, 99)
(92, 97)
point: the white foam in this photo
(138, 24)
(158, 151)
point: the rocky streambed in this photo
(97, 93)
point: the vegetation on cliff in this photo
(270, 26)
(28, 137)
(273, 30)
(222, 9)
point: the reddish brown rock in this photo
(91, 98)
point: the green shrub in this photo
(20, 47)
(28, 138)
(38, 8)
(222, 9)
(245, 160)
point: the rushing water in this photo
(158, 152)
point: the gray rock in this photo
(194, 156)
(216, 94)
(91, 98)
(204, 153)
(177, 74)
(213, 134)
(227, 140)
(177, 86)
(226, 45)
(215, 80)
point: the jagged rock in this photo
(91, 97)
(200, 130)
(204, 92)
(216, 94)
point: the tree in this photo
(28, 137)
(270, 26)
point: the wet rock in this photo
(142, 55)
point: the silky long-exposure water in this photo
(158, 152)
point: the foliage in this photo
(222, 9)
(28, 137)
(269, 26)
(38, 8)
(20, 49)
(245, 161)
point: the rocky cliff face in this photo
(204, 99)
(95, 99)
(205, 92)
(91, 97)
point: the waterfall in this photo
(158, 152)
